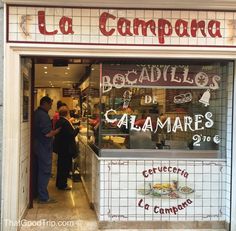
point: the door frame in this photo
(12, 86)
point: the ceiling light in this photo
(45, 67)
(66, 73)
(45, 72)
(68, 68)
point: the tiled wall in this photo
(86, 26)
(229, 142)
(122, 197)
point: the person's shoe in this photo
(49, 201)
(66, 188)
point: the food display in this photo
(166, 190)
(116, 139)
(185, 190)
(173, 195)
(166, 186)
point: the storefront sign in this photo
(187, 124)
(120, 26)
(157, 190)
(170, 76)
(166, 190)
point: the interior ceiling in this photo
(46, 75)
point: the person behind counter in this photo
(65, 147)
(56, 114)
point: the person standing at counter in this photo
(65, 147)
(56, 114)
(43, 147)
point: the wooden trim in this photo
(31, 196)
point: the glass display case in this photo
(158, 106)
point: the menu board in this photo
(70, 92)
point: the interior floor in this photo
(72, 206)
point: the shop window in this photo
(182, 106)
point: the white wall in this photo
(24, 170)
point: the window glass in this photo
(166, 106)
(92, 100)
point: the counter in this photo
(134, 190)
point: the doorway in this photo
(11, 145)
(65, 80)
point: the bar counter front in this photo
(155, 143)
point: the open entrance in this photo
(154, 132)
(64, 80)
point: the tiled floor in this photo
(71, 213)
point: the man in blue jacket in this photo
(43, 147)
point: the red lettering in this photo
(184, 204)
(145, 173)
(169, 169)
(175, 210)
(216, 24)
(162, 28)
(186, 175)
(146, 206)
(164, 168)
(162, 24)
(144, 25)
(42, 24)
(140, 203)
(103, 21)
(174, 170)
(184, 24)
(156, 209)
(189, 201)
(154, 170)
(65, 20)
(195, 26)
(150, 171)
(124, 23)
(168, 210)
(161, 211)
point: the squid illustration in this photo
(23, 24)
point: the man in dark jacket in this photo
(43, 137)
(65, 147)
